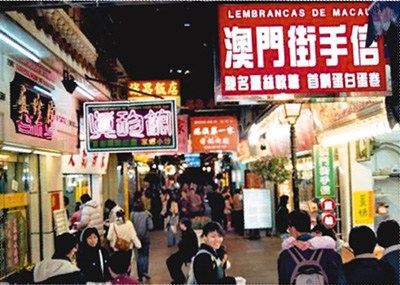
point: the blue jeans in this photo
(142, 258)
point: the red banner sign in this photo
(210, 134)
(297, 48)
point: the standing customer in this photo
(59, 269)
(389, 238)
(143, 225)
(91, 215)
(91, 258)
(365, 268)
(207, 267)
(300, 227)
(187, 248)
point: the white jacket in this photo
(124, 230)
(91, 217)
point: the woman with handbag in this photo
(122, 234)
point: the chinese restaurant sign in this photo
(209, 134)
(130, 126)
(168, 89)
(300, 48)
(363, 207)
(324, 172)
(33, 113)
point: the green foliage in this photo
(272, 168)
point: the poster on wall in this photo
(257, 207)
(126, 126)
(303, 49)
(32, 112)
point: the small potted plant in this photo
(272, 169)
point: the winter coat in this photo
(93, 261)
(91, 216)
(367, 269)
(188, 245)
(143, 224)
(57, 271)
(125, 230)
(206, 269)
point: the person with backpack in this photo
(365, 268)
(309, 266)
(206, 267)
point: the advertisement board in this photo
(125, 126)
(305, 49)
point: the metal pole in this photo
(296, 201)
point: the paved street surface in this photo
(255, 260)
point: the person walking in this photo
(187, 248)
(299, 222)
(365, 268)
(91, 258)
(388, 234)
(59, 269)
(124, 229)
(143, 224)
(119, 269)
(217, 205)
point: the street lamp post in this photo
(292, 113)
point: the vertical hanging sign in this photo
(324, 172)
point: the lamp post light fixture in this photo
(292, 112)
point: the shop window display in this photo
(14, 187)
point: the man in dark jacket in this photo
(217, 204)
(187, 248)
(59, 269)
(365, 268)
(299, 227)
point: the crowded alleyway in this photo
(255, 260)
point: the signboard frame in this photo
(257, 216)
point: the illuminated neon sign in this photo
(130, 126)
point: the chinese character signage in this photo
(209, 134)
(363, 207)
(32, 112)
(130, 126)
(168, 89)
(296, 48)
(324, 172)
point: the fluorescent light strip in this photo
(40, 89)
(42, 152)
(16, 149)
(85, 93)
(7, 39)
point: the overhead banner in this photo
(210, 134)
(303, 49)
(130, 126)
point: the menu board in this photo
(60, 221)
(257, 209)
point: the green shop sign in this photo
(324, 172)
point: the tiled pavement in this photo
(255, 260)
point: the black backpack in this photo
(307, 271)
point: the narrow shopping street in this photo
(255, 260)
